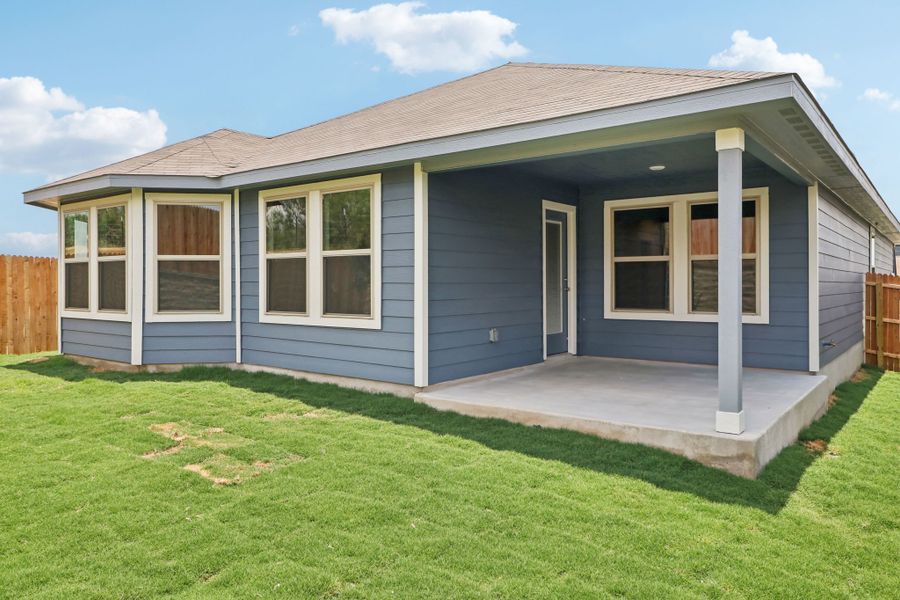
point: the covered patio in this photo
(671, 406)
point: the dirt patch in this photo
(832, 400)
(860, 375)
(188, 435)
(37, 360)
(222, 469)
(816, 446)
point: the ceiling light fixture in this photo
(657, 167)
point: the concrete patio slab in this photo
(671, 406)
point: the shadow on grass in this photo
(770, 492)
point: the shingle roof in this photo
(512, 94)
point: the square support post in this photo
(730, 148)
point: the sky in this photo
(84, 84)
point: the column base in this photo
(730, 422)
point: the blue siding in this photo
(485, 270)
(843, 262)
(780, 344)
(386, 354)
(191, 342)
(106, 340)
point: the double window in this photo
(189, 268)
(94, 249)
(320, 250)
(662, 257)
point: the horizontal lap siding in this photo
(780, 344)
(884, 254)
(191, 342)
(485, 271)
(384, 355)
(843, 262)
(106, 340)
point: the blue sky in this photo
(148, 73)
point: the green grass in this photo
(355, 495)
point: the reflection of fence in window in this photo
(188, 257)
(704, 257)
(28, 305)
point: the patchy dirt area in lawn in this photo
(220, 468)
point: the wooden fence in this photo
(883, 321)
(27, 304)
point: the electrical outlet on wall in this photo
(493, 335)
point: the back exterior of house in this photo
(400, 246)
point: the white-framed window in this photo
(661, 257)
(320, 253)
(189, 263)
(95, 272)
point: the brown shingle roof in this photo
(512, 94)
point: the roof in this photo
(513, 94)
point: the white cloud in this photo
(419, 42)
(747, 52)
(48, 132)
(880, 96)
(294, 31)
(27, 243)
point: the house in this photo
(680, 252)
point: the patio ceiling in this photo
(681, 157)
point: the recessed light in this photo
(657, 167)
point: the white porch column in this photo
(730, 147)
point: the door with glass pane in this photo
(556, 282)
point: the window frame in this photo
(155, 199)
(315, 253)
(680, 257)
(665, 258)
(93, 312)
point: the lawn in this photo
(213, 483)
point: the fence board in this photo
(27, 304)
(883, 321)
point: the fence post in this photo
(879, 320)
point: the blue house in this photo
(669, 256)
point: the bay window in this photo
(661, 257)
(319, 260)
(94, 251)
(189, 268)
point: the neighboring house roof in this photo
(512, 94)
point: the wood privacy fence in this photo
(883, 321)
(27, 304)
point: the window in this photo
(661, 259)
(190, 263)
(642, 259)
(704, 267)
(321, 263)
(94, 250)
(286, 280)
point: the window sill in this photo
(94, 316)
(187, 317)
(340, 322)
(679, 318)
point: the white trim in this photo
(420, 276)
(93, 311)
(571, 271)
(730, 139)
(136, 242)
(315, 256)
(224, 257)
(679, 257)
(730, 422)
(813, 275)
(237, 277)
